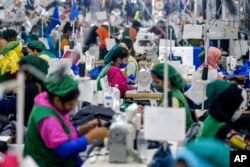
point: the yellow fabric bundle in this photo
(9, 62)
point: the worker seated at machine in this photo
(213, 59)
(176, 84)
(116, 59)
(227, 104)
(132, 67)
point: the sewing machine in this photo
(109, 96)
(145, 43)
(228, 63)
(144, 80)
(122, 134)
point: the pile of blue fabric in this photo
(244, 71)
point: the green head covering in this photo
(202, 56)
(211, 150)
(36, 62)
(112, 53)
(160, 23)
(60, 86)
(9, 33)
(173, 75)
(216, 87)
(36, 45)
(10, 46)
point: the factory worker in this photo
(64, 41)
(7, 36)
(51, 139)
(103, 33)
(33, 86)
(37, 48)
(116, 59)
(9, 62)
(216, 154)
(132, 67)
(213, 59)
(33, 34)
(132, 31)
(176, 85)
(226, 107)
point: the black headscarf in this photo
(226, 103)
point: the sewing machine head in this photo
(144, 80)
(122, 134)
(228, 63)
(145, 43)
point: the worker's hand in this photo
(134, 87)
(92, 124)
(239, 79)
(97, 134)
(84, 129)
(96, 122)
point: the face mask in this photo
(159, 89)
(35, 33)
(122, 65)
(236, 116)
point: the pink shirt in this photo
(115, 77)
(50, 128)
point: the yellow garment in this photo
(9, 62)
(45, 57)
(132, 68)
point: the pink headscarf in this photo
(213, 55)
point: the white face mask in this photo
(236, 115)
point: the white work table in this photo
(103, 161)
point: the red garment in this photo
(9, 161)
(103, 34)
(115, 77)
(132, 33)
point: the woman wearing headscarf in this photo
(33, 34)
(7, 36)
(116, 59)
(176, 85)
(9, 62)
(132, 67)
(226, 107)
(33, 86)
(37, 48)
(213, 59)
(216, 154)
(51, 139)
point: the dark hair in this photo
(156, 74)
(226, 103)
(34, 26)
(33, 49)
(128, 42)
(66, 98)
(136, 24)
(122, 53)
(67, 27)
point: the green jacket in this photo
(210, 128)
(102, 74)
(36, 148)
(176, 93)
